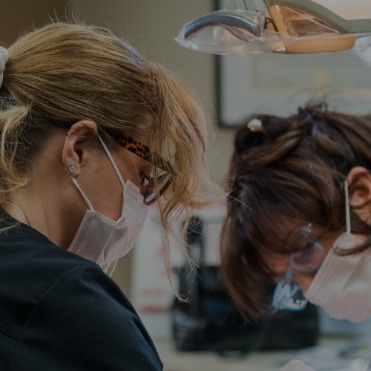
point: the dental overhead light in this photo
(281, 26)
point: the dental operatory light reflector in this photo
(281, 26)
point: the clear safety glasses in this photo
(288, 294)
(152, 187)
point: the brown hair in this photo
(284, 176)
(64, 72)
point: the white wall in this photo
(19, 16)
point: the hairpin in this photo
(255, 125)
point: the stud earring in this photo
(72, 168)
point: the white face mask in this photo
(102, 239)
(342, 285)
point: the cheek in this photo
(134, 175)
(128, 168)
(304, 280)
(277, 263)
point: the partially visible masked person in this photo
(91, 135)
(299, 213)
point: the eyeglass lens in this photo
(148, 185)
(150, 195)
(288, 294)
(309, 259)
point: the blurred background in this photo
(229, 88)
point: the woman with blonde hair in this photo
(91, 134)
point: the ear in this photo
(72, 148)
(359, 179)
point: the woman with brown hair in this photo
(299, 213)
(91, 133)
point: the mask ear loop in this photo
(112, 162)
(347, 209)
(90, 206)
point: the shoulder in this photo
(69, 313)
(92, 320)
(84, 294)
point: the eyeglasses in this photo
(151, 188)
(288, 294)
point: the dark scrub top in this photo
(59, 311)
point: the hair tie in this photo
(3, 60)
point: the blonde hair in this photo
(64, 72)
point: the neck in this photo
(17, 211)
